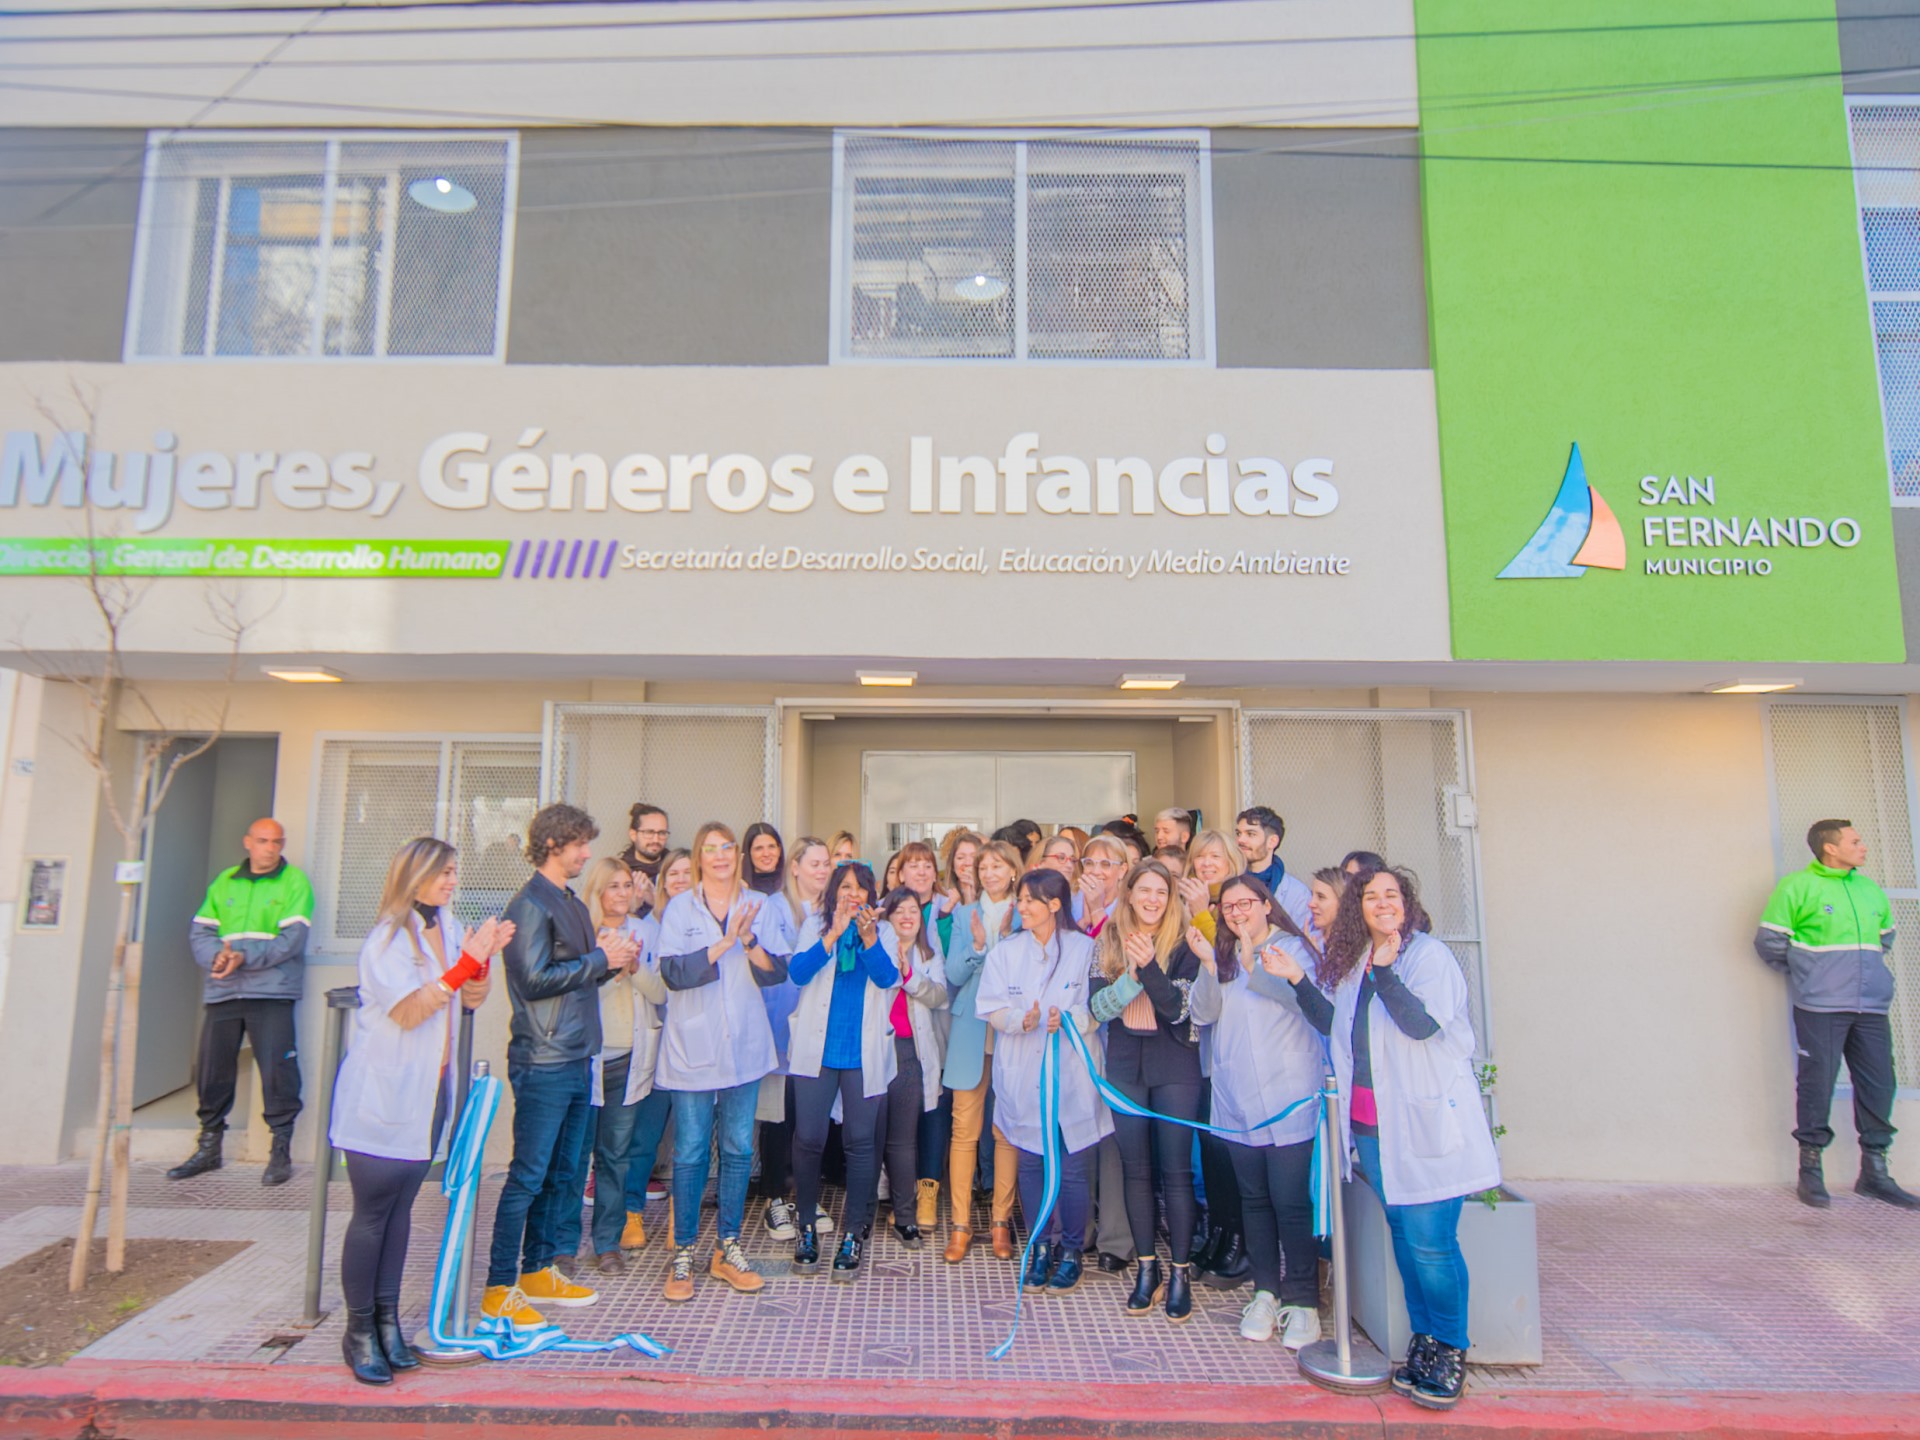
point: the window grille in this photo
(376, 794)
(1011, 249)
(322, 247)
(1886, 156)
(697, 762)
(1835, 759)
(1386, 781)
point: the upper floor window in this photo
(1022, 249)
(1886, 158)
(320, 247)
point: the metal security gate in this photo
(696, 762)
(1397, 782)
(1848, 759)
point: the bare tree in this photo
(133, 787)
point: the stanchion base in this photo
(423, 1347)
(1366, 1373)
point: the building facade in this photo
(1443, 406)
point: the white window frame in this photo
(1854, 102)
(324, 941)
(159, 140)
(1200, 246)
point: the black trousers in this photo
(776, 1153)
(862, 1117)
(373, 1252)
(1216, 1167)
(901, 1135)
(1276, 1200)
(1823, 1039)
(1140, 1141)
(269, 1025)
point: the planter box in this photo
(1503, 1265)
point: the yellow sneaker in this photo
(634, 1236)
(550, 1287)
(509, 1302)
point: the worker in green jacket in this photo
(1829, 929)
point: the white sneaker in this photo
(780, 1220)
(1257, 1320)
(1303, 1326)
(822, 1222)
(886, 1191)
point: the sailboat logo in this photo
(1579, 531)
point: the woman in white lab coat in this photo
(1035, 981)
(1402, 1040)
(390, 1098)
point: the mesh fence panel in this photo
(1886, 154)
(696, 763)
(1364, 780)
(1849, 762)
(264, 247)
(493, 792)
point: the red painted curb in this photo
(91, 1400)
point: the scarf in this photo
(847, 952)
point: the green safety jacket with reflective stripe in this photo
(266, 918)
(1830, 931)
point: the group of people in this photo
(752, 993)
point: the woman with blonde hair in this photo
(978, 926)
(625, 1134)
(1156, 996)
(1212, 860)
(391, 1096)
(1103, 865)
(843, 847)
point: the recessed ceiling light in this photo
(1752, 687)
(304, 675)
(980, 288)
(1150, 682)
(443, 195)
(888, 677)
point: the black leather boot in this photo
(1205, 1250)
(1180, 1294)
(1231, 1267)
(279, 1162)
(1146, 1288)
(362, 1349)
(1813, 1185)
(1040, 1268)
(204, 1158)
(1877, 1184)
(393, 1343)
(1444, 1381)
(1419, 1355)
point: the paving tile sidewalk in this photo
(1646, 1290)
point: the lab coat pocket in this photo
(692, 1039)
(386, 1098)
(1433, 1130)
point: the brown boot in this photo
(927, 1204)
(959, 1244)
(1002, 1240)
(730, 1265)
(633, 1235)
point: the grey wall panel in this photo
(1906, 552)
(1880, 47)
(68, 203)
(1318, 259)
(672, 247)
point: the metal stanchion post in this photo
(1339, 1364)
(341, 1003)
(459, 1306)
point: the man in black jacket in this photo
(554, 965)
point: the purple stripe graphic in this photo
(559, 554)
(607, 564)
(539, 554)
(593, 553)
(573, 559)
(520, 562)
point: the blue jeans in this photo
(696, 1114)
(1426, 1248)
(551, 1117)
(649, 1124)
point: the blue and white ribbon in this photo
(1050, 1149)
(495, 1339)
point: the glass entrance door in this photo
(922, 794)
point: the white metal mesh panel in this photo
(374, 797)
(1886, 154)
(1849, 762)
(493, 791)
(1375, 780)
(1111, 271)
(317, 248)
(697, 763)
(930, 247)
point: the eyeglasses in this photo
(1099, 864)
(724, 849)
(1238, 907)
(652, 834)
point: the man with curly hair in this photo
(555, 964)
